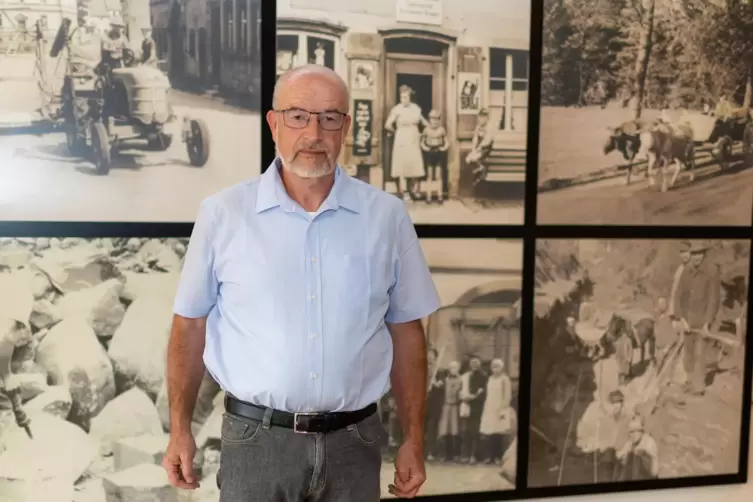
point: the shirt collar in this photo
(272, 192)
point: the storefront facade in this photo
(450, 54)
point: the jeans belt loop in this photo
(266, 421)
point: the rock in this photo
(206, 401)
(145, 482)
(32, 384)
(91, 490)
(44, 468)
(76, 269)
(15, 256)
(73, 356)
(23, 358)
(144, 449)
(138, 284)
(138, 348)
(18, 299)
(45, 315)
(209, 433)
(130, 414)
(55, 400)
(99, 304)
(157, 255)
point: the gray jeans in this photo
(273, 464)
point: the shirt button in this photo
(313, 335)
(313, 375)
(313, 298)
(313, 259)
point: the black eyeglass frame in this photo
(308, 117)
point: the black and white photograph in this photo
(638, 360)
(447, 83)
(474, 367)
(126, 110)
(84, 325)
(646, 113)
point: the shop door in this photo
(426, 77)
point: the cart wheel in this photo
(197, 142)
(100, 148)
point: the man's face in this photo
(311, 151)
(475, 363)
(696, 259)
(685, 256)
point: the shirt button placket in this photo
(315, 342)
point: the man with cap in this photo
(695, 306)
(114, 44)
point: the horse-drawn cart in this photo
(726, 131)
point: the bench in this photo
(506, 165)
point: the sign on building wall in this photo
(419, 11)
(469, 93)
(362, 127)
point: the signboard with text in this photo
(363, 120)
(419, 11)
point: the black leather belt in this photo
(302, 423)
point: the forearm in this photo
(408, 378)
(185, 369)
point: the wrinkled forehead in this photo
(314, 93)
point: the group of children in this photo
(471, 412)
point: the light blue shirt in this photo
(296, 303)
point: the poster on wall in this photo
(638, 360)
(604, 102)
(66, 163)
(469, 93)
(362, 127)
(451, 156)
(473, 344)
(363, 76)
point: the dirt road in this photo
(714, 198)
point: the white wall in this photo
(734, 493)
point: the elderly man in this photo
(304, 290)
(696, 304)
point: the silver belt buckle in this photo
(295, 422)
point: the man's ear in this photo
(272, 123)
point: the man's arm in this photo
(185, 369)
(408, 378)
(412, 297)
(194, 300)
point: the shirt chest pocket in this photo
(354, 282)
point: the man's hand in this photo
(178, 461)
(410, 472)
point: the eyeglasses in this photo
(295, 118)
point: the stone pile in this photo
(92, 371)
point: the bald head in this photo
(302, 77)
(309, 120)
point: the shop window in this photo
(295, 49)
(508, 88)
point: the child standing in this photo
(435, 145)
(449, 428)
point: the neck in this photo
(308, 193)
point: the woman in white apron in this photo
(407, 159)
(498, 417)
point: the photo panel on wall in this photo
(474, 369)
(645, 114)
(84, 325)
(439, 99)
(130, 111)
(638, 360)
